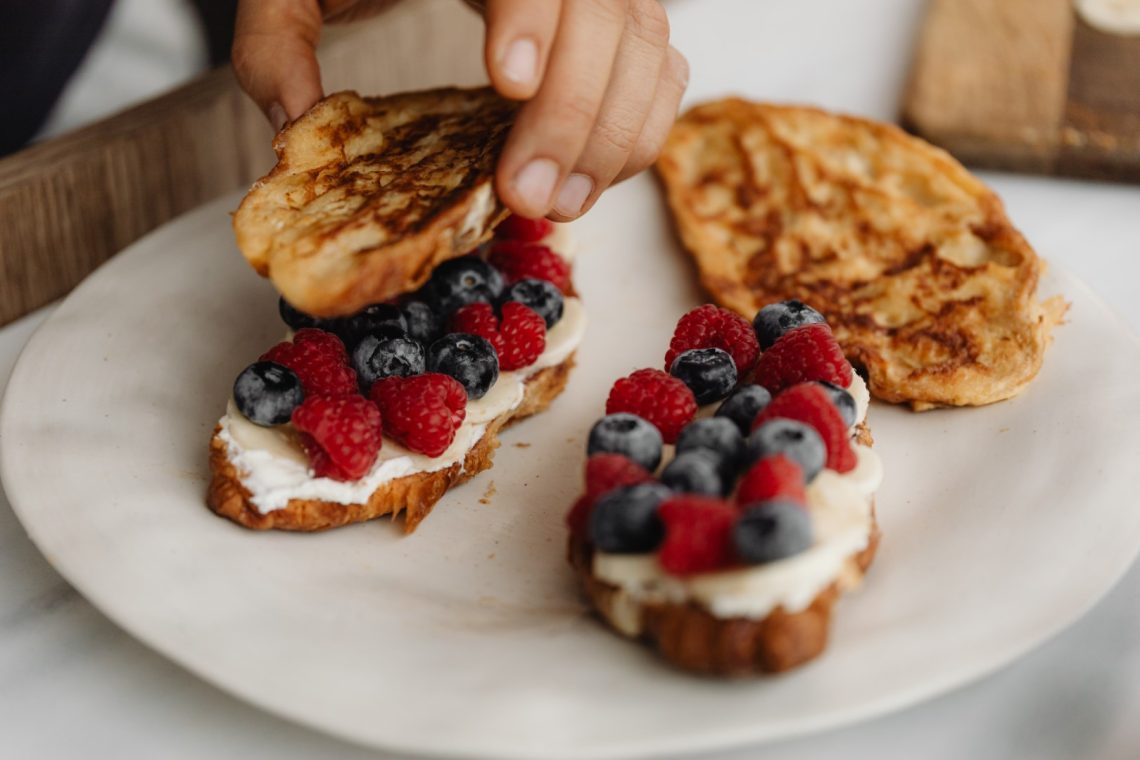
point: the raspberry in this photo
(709, 326)
(519, 261)
(421, 412)
(516, 227)
(340, 435)
(578, 518)
(320, 361)
(519, 337)
(698, 534)
(774, 477)
(657, 397)
(605, 472)
(805, 353)
(811, 404)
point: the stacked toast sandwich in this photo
(419, 318)
(929, 288)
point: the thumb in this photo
(274, 56)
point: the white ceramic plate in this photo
(1002, 525)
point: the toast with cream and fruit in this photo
(369, 409)
(729, 501)
(928, 286)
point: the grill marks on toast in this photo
(912, 260)
(369, 194)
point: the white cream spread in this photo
(1111, 16)
(840, 506)
(275, 470)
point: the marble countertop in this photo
(73, 684)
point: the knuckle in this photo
(574, 113)
(650, 21)
(609, 11)
(617, 134)
(645, 151)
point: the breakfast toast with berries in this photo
(927, 285)
(370, 194)
(728, 558)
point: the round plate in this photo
(1001, 525)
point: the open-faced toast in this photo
(370, 194)
(926, 283)
(728, 558)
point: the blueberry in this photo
(267, 393)
(458, 282)
(795, 440)
(470, 359)
(541, 296)
(423, 323)
(380, 320)
(628, 435)
(695, 471)
(625, 521)
(375, 358)
(710, 373)
(294, 317)
(843, 401)
(718, 436)
(771, 530)
(743, 406)
(775, 319)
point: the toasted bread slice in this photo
(693, 639)
(370, 194)
(413, 494)
(912, 260)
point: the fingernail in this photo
(572, 197)
(520, 61)
(535, 182)
(277, 117)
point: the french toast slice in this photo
(927, 285)
(369, 194)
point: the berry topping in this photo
(775, 319)
(807, 353)
(661, 399)
(605, 472)
(294, 317)
(470, 359)
(519, 338)
(516, 227)
(458, 282)
(421, 412)
(698, 535)
(521, 261)
(340, 435)
(710, 373)
(709, 326)
(624, 521)
(320, 361)
(628, 435)
(424, 324)
(743, 406)
(774, 477)
(696, 471)
(718, 436)
(376, 358)
(811, 404)
(771, 530)
(843, 401)
(380, 320)
(796, 440)
(267, 393)
(540, 295)
(578, 518)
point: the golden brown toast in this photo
(414, 494)
(692, 638)
(370, 194)
(912, 260)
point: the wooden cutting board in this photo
(1027, 85)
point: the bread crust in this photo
(369, 195)
(690, 637)
(912, 260)
(414, 495)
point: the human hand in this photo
(600, 81)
